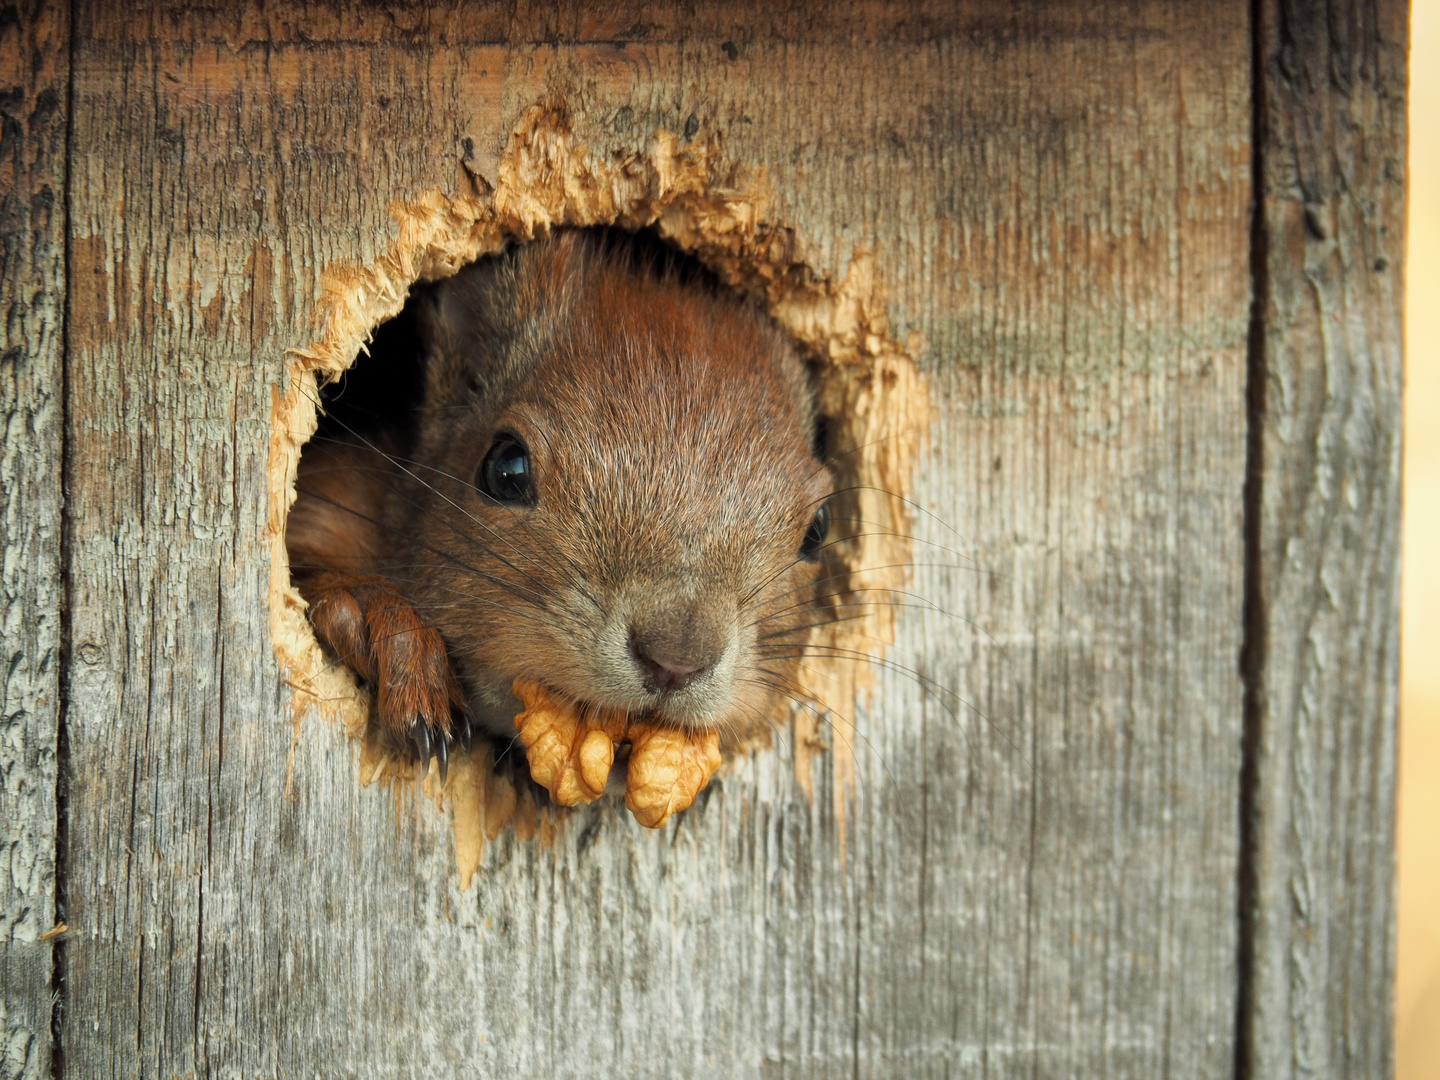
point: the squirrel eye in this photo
(505, 472)
(816, 533)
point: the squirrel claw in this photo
(422, 745)
(442, 755)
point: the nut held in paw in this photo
(668, 768)
(570, 749)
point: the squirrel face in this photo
(612, 490)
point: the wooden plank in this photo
(34, 80)
(1324, 626)
(1038, 881)
(215, 184)
(1072, 851)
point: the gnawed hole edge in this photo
(873, 395)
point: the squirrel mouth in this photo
(583, 707)
(665, 710)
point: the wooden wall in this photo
(1088, 841)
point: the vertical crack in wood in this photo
(1316, 898)
(1253, 645)
(36, 50)
(67, 650)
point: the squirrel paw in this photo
(378, 634)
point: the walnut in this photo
(668, 768)
(571, 747)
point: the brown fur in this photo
(669, 429)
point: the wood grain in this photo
(1324, 660)
(1040, 875)
(34, 87)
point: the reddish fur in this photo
(669, 431)
(376, 632)
(360, 617)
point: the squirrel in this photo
(610, 486)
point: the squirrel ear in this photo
(466, 325)
(488, 325)
(441, 359)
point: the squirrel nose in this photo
(674, 653)
(664, 673)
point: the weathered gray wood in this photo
(1320, 809)
(1038, 882)
(34, 81)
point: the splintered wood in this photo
(571, 748)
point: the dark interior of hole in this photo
(381, 390)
